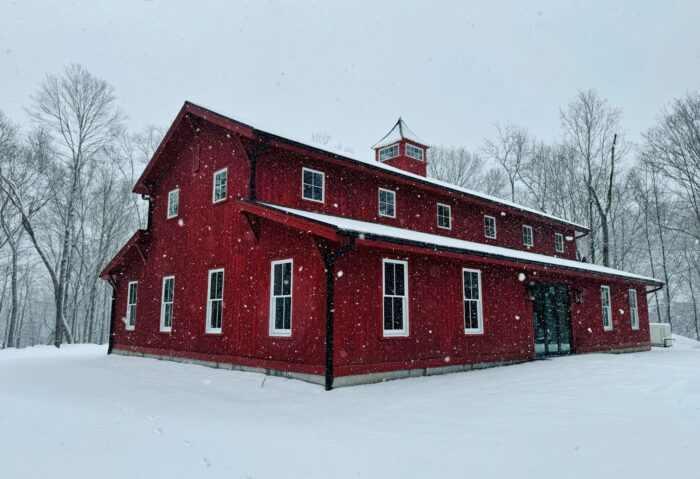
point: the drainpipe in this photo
(150, 210)
(329, 262)
(111, 314)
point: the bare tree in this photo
(510, 150)
(77, 111)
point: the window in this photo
(131, 305)
(387, 203)
(219, 190)
(166, 304)
(634, 312)
(471, 280)
(312, 185)
(215, 300)
(558, 242)
(490, 227)
(395, 288)
(389, 152)
(281, 298)
(414, 152)
(607, 311)
(444, 216)
(527, 236)
(173, 202)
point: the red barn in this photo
(268, 254)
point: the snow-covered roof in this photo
(401, 131)
(370, 161)
(389, 233)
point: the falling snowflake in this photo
(340, 274)
(517, 317)
(521, 277)
(447, 359)
(590, 330)
(180, 222)
(503, 213)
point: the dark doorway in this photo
(552, 322)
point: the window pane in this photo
(279, 313)
(399, 286)
(389, 278)
(388, 313)
(398, 313)
(277, 288)
(287, 323)
(286, 278)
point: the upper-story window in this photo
(559, 242)
(387, 203)
(389, 152)
(489, 226)
(219, 187)
(313, 185)
(527, 236)
(444, 216)
(173, 202)
(131, 305)
(414, 152)
(166, 304)
(607, 309)
(634, 310)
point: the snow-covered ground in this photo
(78, 413)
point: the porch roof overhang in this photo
(373, 234)
(132, 244)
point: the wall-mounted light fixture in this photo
(578, 295)
(531, 290)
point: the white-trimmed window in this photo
(473, 313)
(313, 185)
(634, 311)
(444, 216)
(387, 203)
(389, 152)
(395, 297)
(558, 242)
(489, 226)
(607, 310)
(166, 304)
(173, 202)
(527, 236)
(281, 298)
(215, 300)
(131, 305)
(219, 186)
(414, 152)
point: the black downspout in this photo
(111, 316)
(252, 188)
(329, 261)
(150, 211)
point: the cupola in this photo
(402, 149)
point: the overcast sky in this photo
(451, 69)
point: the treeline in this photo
(642, 201)
(66, 207)
(66, 204)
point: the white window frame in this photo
(275, 331)
(173, 193)
(486, 232)
(389, 147)
(479, 305)
(208, 329)
(416, 148)
(163, 304)
(396, 332)
(130, 320)
(213, 186)
(379, 202)
(603, 290)
(558, 240)
(449, 216)
(323, 185)
(532, 237)
(634, 310)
